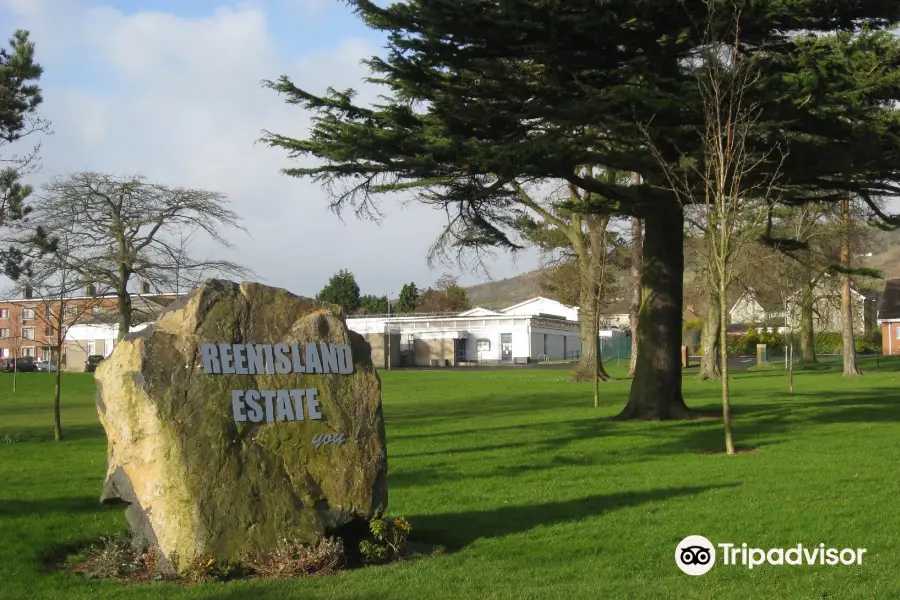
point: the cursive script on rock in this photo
(328, 438)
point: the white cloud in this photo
(180, 100)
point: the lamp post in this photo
(388, 327)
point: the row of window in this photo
(28, 313)
(45, 351)
(27, 332)
(27, 351)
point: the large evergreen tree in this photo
(485, 94)
(408, 300)
(374, 305)
(342, 290)
(20, 97)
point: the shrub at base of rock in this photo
(290, 559)
(199, 481)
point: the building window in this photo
(91, 347)
(4, 333)
(4, 352)
(28, 351)
(28, 333)
(4, 313)
(47, 312)
(45, 353)
(27, 313)
(95, 309)
(70, 312)
(48, 330)
(483, 345)
(897, 329)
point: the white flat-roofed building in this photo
(522, 333)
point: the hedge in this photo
(824, 342)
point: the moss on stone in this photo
(231, 488)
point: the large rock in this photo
(201, 477)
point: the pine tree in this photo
(342, 290)
(408, 300)
(485, 94)
(20, 98)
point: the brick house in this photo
(29, 325)
(889, 318)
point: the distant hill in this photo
(883, 245)
(505, 292)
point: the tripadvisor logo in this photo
(696, 555)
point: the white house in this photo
(538, 329)
(616, 316)
(542, 306)
(90, 339)
(755, 307)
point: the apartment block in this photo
(29, 326)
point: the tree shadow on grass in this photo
(44, 506)
(443, 472)
(558, 435)
(763, 424)
(475, 408)
(458, 530)
(44, 433)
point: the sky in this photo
(170, 89)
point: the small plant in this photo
(389, 539)
(111, 557)
(291, 558)
(121, 556)
(10, 439)
(201, 570)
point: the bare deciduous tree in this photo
(16, 342)
(126, 227)
(56, 288)
(583, 264)
(849, 345)
(186, 273)
(735, 213)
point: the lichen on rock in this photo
(200, 484)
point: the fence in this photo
(617, 348)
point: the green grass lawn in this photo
(542, 496)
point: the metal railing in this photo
(400, 315)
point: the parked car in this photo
(45, 365)
(23, 364)
(90, 365)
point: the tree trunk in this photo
(591, 269)
(656, 387)
(57, 418)
(723, 353)
(125, 311)
(789, 352)
(588, 317)
(709, 341)
(598, 371)
(807, 334)
(637, 268)
(57, 392)
(849, 344)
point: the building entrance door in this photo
(506, 347)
